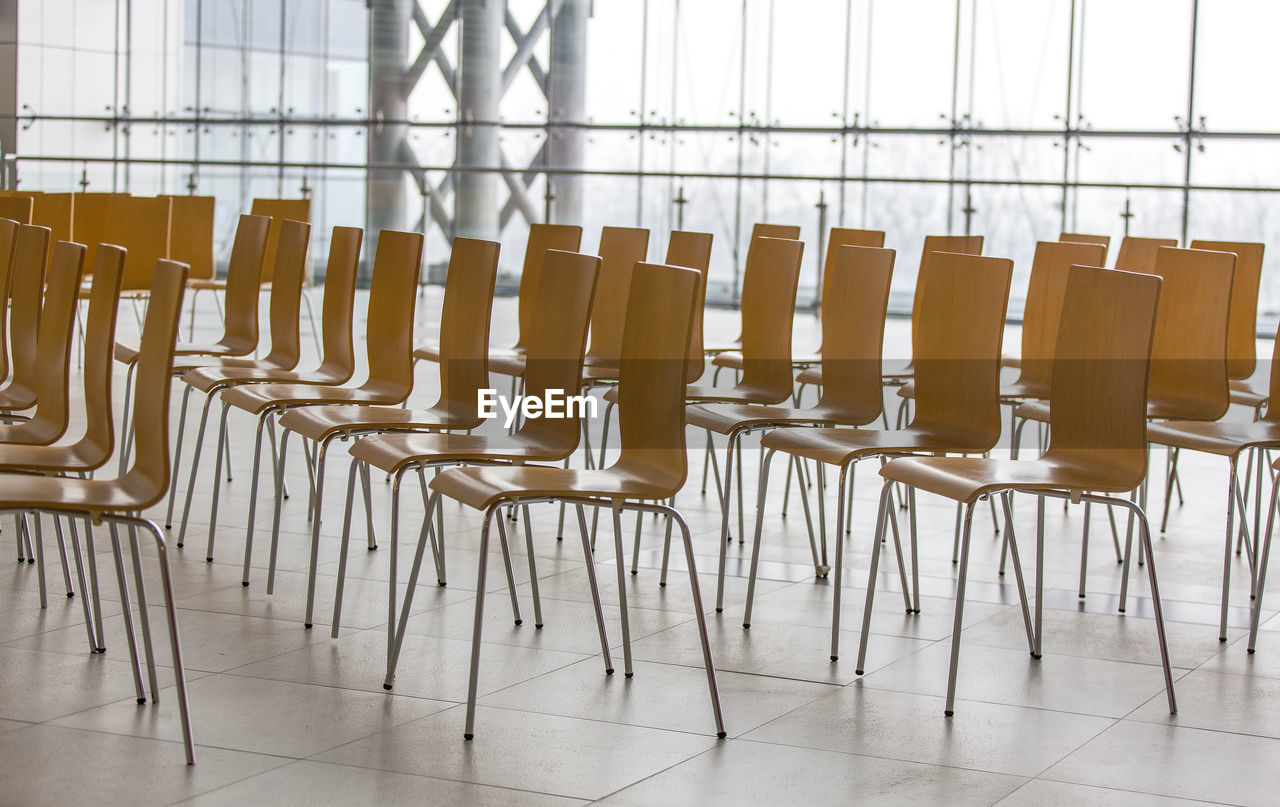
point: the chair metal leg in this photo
(311, 317)
(962, 579)
(85, 605)
(346, 543)
(755, 543)
(126, 426)
(177, 451)
(885, 507)
(217, 480)
(589, 558)
(144, 617)
(91, 551)
(619, 562)
(321, 453)
(371, 537)
(195, 467)
(251, 523)
(1226, 560)
(39, 547)
(1006, 501)
(724, 519)
(698, 610)
(820, 567)
(1171, 468)
(533, 570)
(506, 563)
(1264, 554)
(393, 654)
(473, 680)
(126, 610)
(275, 516)
(62, 557)
(1039, 617)
(1084, 547)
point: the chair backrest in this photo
(660, 312)
(769, 287)
(244, 279)
(147, 479)
(1139, 254)
(621, 248)
(26, 291)
(1189, 352)
(1049, 271)
(91, 221)
(191, 234)
(17, 208)
(839, 237)
(558, 343)
(100, 339)
(542, 237)
(392, 297)
(286, 293)
(1087, 238)
(141, 225)
(1242, 346)
(464, 325)
(278, 210)
(53, 344)
(959, 244)
(762, 230)
(693, 251)
(853, 328)
(1099, 391)
(55, 211)
(8, 251)
(956, 345)
(337, 311)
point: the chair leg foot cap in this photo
(719, 610)
(99, 649)
(387, 687)
(1035, 656)
(468, 736)
(179, 546)
(858, 672)
(1250, 651)
(608, 671)
(208, 560)
(634, 573)
(537, 626)
(373, 548)
(31, 560)
(720, 735)
(441, 583)
(70, 594)
(168, 526)
(662, 585)
(629, 675)
(142, 700)
(244, 583)
(1222, 638)
(948, 712)
(519, 621)
(306, 625)
(746, 626)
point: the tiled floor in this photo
(288, 715)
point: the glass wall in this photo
(1006, 118)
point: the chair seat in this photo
(600, 372)
(1156, 410)
(74, 495)
(1214, 437)
(732, 359)
(183, 364)
(842, 446)
(206, 378)
(17, 396)
(321, 422)
(810, 375)
(254, 398)
(391, 452)
(723, 347)
(507, 362)
(964, 479)
(1015, 390)
(75, 458)
(741, 393)
(1245, 394)
(481, 487)
(427, 352)
(724, 418)
(35, 432)
(128, 354)
(206, 284)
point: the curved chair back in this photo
(853, 329)
(1242, 346)
(660, 313)
(100, 338)
(8, 251)
(141, 226)
(17, 208)
(1085, 238)
(91, 221)
(279, 211)
(53, 345)
(55, 211)
(464, 325)
(542, 237)
(337, 311)
(1099, 392)
(244, 278)
(558, 342)
(1189, 354)
(959, 244)
(147, 479)
(839, 237)
(768, 314)
(392, 297)
(956, 344)
(1043, 310)
(1139, 254)
(790, 232)
(621, 248)
(692, 251)
(286, 293)
(26, 290)
(191, 234)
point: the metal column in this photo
(8, 86)
(566, 103)
(389, 22)
(479, 91)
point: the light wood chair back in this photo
(790, 232)
(659, 325)
(464, 324)
(1242, 350)
(392, 297)
(956, 345)
(1050, 269)
(147, 479)
(1139, 254)
(278, 210)
(621, 248)
(1086, 238)
(141, 225)
(286, 294)
(337, 311)
(839, 237)
(91, 221)
(55, 211)
(558, 341)
(26, 293)
(1098, 397)
(191, 234)
(244, 278)
(692, 251)
(1189, 354)
(100, 337)
(770, 280)
(52, 380)
(8, 252)
(17, 208)
(853, 328)
(542, 237)
(959, 244)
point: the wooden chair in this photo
(857, 292)
(26, 289)
(388, 342)
(1139, 254)
(1084, 238)
(652, 465)
(1242, 336)
(621, 248)
(191, 242)
(464, 351)
(956, 348)
(283, 321)
(789, 232)
(8, 252)
(116, 501)
(17, 208)
(837, 237)
(91, 220)
(1097, 446)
